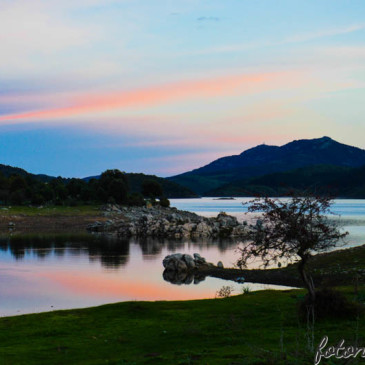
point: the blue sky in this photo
(166, 86)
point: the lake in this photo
(350, 212)
(48, 272)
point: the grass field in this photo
(254, 328)
(49, 210)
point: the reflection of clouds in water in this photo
(40, 273)
(111, 253)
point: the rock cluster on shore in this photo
(184, 268)
(165, 223)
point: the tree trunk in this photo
(308, 282)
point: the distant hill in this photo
(9, 170)
(340, 181)
(263, 159)
(170, 188)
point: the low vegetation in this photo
(259, 328)
(49, 211)
(113, 186)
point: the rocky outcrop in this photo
(165, 223)
(179, 270)
(184, 268)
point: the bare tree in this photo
(291, 229)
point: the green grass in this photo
(340, 267)
(254, 328)
(50, 210)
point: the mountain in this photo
(339, 181)
(263, 159)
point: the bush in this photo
(151, 189)
(329, 303)
(224, 292)
(164, 202)
(38, 199)
(17, 197)
(136, 199)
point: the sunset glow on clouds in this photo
(164, 87)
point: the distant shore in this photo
(57, 219)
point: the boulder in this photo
(181, 266)
(190, 263)
(95, 227)
(198, 259)
(226, 220)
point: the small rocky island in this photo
(165, 222)
(186, 269)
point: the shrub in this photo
(38, 199)
(17, 198)
(224, 292)
(151, 189)
(329, 303)
(136, 199)
(164, 202)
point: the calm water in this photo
(41, 273)
(350, 212)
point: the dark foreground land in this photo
(254, 328)
(55, 219)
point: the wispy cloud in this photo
(184, 90)
(299, 38)
(323, 33)
(208, 19)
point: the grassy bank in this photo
(344, 267)
(82, 210)
(254, 328)
(57, 219)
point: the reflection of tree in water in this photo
(154, 246)
(111, 252)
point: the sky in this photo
(163, 87)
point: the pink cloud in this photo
(179, 91)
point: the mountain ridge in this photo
(263, 159)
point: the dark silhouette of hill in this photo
(10, 170)
(339, 181)
(170, 188)
(263, 159)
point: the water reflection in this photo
(111, 252)
(47, 272)
(180, 277)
